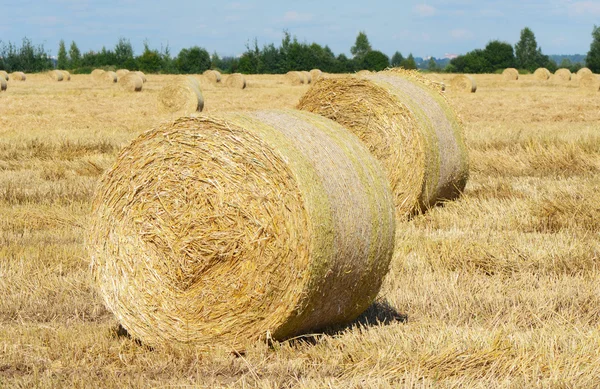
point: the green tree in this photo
(150, 61)
(499, 55)
(592, 60)
(397, 59)
(194, 60)
(74, 56)
(527, 54)
(62, 61)
(409, 62)
(124, 55)
(375, 60)
(432, 66)
(361, 46)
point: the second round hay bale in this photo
(110, 76)
(315, 74)
(18, 76)
(131, 82)
(294, 78)
(56, 75)
(307, 77)
(212, 76)
(463, 83)
(583, 71)
(407, 124)
(97, 75)
(66, 75)
(142, 75)
(236, 80)
(4, 75)
(562, 75)
(510, 74)
(590, 82)
(220, 230)
(181, 97)
(541, 74)
(121, 72)
(3, 84)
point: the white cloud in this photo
(293, 16)
(424, 10)
(585, 8)
(460, 33)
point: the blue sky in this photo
(424, 28)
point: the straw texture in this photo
(4, 75)
(18, 76)
(182, 97)
(541, 74)
(236, 80)
(222, 230)
(406, 123)
(212, 75)
(510, 74)
(463, 83)
(55, 75)
(131, 82)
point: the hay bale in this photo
(18, 76)
(541, 74)
(436, 80)
(66, 75)
(55, 75)
(590, 82)
(510, 74)
(4, 75)
(307, 77)
(294, 78)
(181, 97)
(315, 74)
(221, 230)
(142, 75)
(407, 124)
(212, 76)
(3, 84)
(236, 80)
(562, 75)
(581, 72)
(463, 83)
(98, 75)
(131, 82)
(121, 72)
(110, 76)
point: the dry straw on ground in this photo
(4, 75)
(590, 82)
(18, 76)
(294, 78)
(110, 76)
(212, 75)
(315, 74)
(121, 72)
(463, 83)
(181, 97)
(510, 74)
(66, 75)
(3, 84)
(541, 74)
(307, 77)
(407, 124)
(562, 75)
(142, 75)
(131, 82)
(225, 230)
(56, 75)
(236, 80)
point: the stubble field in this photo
(498, 289)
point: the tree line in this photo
(290, 54)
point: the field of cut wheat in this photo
(498, 289)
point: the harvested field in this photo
(498, 289)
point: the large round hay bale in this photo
(131, 82)
(3, 84)
(563, 75)
(541, 74)
(55, 75)
(307, 77)
(222, 230)
(583, 71)
(98, 75)
(110, 76)
(590, 82)
(121, 72)
(18, 76)
(66, 75)
(315, 74)
(510, 74)
(294, 78)
(212, 76)
(142, 75)
(463, 83)
(4, 75)
(406, 122)
(235, 80)
(181, 97)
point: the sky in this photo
(424, 28)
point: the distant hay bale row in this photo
(131, 82)
(298, 77)
(404, 119)
(463, 83)
(4, 75)
(221, 230)
(181, 97)
(589, 81)
(3, 84)
(121, 72)
(236, 80)
(212, 76)
(510, 74)
(18, 76)
(563, 75)
(541, 74)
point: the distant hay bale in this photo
(121, 72)
(66, 75)
(223, 230)
(181, 97)
(563, 75)
(590, 82)
(307, 77)
(4, 75)
(463, 83)
(583, 71)
(212, 76)
(235, 80)
(510, 74)
(541, 74)
(131, 82)
(436, 80)
(55, 75)
(315, 74)
(18, 76)
(98, 75)
(294, 78)
(3, 84)
(110, 76)
(142, 75)
(408, 125)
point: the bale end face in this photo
(182, 97)
(131, 82)
(236, 80)
(463, 83)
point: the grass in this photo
(497, 289)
